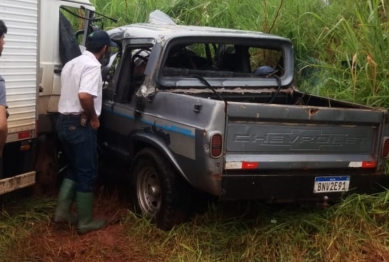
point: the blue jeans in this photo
(80, 148)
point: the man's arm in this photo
(3, 128)
(88, 90)
(88, 106)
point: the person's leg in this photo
(67, 192)
(86, 166)
(66, 197)
(85, 160)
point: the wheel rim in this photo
(148, 191)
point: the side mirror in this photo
(107, 71)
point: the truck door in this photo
(120, 111)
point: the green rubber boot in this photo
(66, 196)
(86, 223)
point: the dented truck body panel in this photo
(294, 148)
(184, 133)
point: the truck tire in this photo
(46, 166)
(68, 46)
(157, 192)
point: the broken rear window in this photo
(222, 60)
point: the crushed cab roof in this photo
(162, 31)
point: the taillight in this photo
(216, 145)
(24, 135)
(385, 147)
(369, 164)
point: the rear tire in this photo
(157, 189)
(47, 166)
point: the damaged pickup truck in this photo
(215, 110)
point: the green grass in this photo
(354, 230)
(18, 218)
(361, 41)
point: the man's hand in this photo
(86, 101)
(94, 123)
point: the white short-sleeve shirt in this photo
(80, 75)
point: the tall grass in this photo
(341, 48)
(354, 52)
(354, 230)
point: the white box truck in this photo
(40, 39)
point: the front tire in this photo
(157, 189)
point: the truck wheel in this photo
(46, 166)
(157, 191)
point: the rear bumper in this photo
(20, 181)
(295, 187)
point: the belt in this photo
(73, 114)
(70, 115)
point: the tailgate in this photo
(261, 136)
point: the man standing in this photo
(3, 102)
(79, 107)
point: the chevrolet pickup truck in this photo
(216, 110)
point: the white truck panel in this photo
(29, 58)
(50, 59)
(19, 64)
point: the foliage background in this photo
(341, 47)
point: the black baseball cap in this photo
(100, 38)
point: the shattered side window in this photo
(213, 59)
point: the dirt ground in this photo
(59, 242)
(49, 241)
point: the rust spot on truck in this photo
(312, 112)
(159, 132)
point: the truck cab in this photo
(58, 41)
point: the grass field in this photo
(354, 230)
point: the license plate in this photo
(325, 184)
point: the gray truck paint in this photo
(298, 142)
